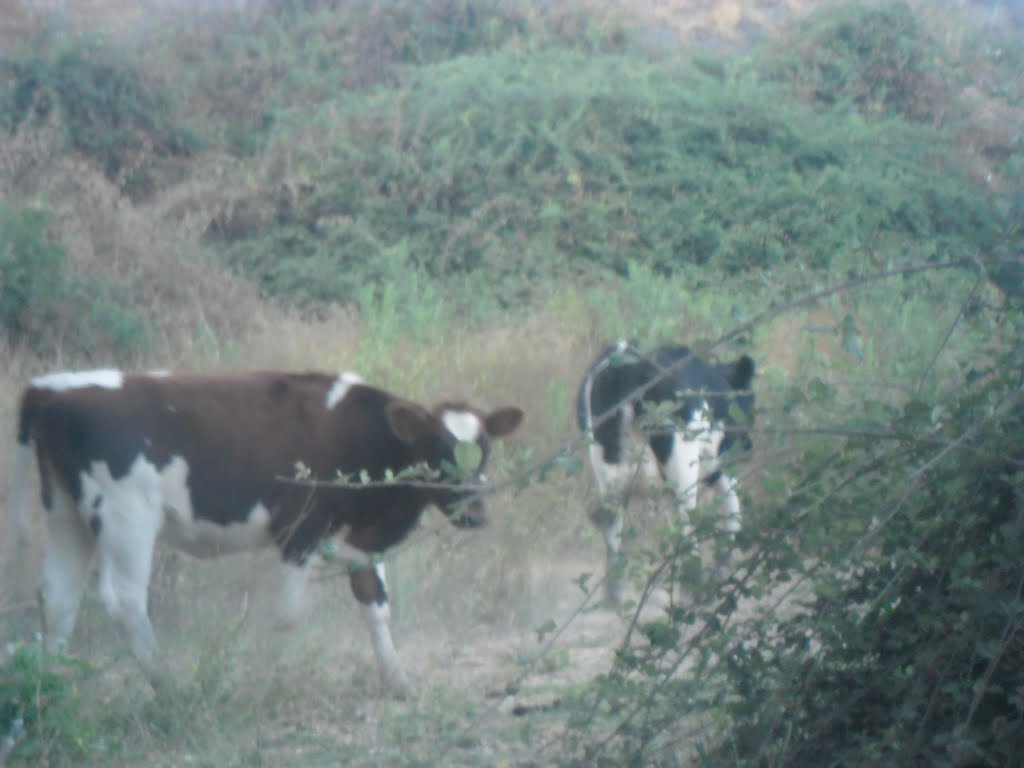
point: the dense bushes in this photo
(876, 58)
(45, 303)
(911, 652)
(528, 169)
(33, 283)
(294, 55)
(509, 146)
(877, 617)
(107, 112)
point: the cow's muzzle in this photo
(470, 513)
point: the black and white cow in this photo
(205, 464)
(666, 418)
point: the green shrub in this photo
(527, 169)
(244, 75)
(112, 321)
(57, 724)
(877, 615)
(100, 102)
(44, 302)
(913, 653)
(33, 279)
(878, 58)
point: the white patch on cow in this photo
(69, 552)
(694, 458)
(682, 471)
(293, 599)
(378, 616)
(638, 470)
(465, 426)
(637, 474)
(730, 503)
(107, 378)
(130, 516)
(707, 437)
(205, 538)
(341, 387)
(174, 484)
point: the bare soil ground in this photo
(486, 693)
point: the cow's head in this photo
(740, 375)
(445, 439)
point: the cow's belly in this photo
(204, 538)
(637, 474)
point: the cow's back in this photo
(236, 436)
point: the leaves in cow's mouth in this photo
(467, 457)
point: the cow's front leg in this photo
(293, 598)
(733, 515)
(370, 590)
(607, 518)
(679, 457)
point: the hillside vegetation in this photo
(466, 197)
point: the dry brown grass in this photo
(727, 21)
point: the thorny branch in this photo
(523, 477)
(740, 580)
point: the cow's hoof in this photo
(613, 595)
(603, 516)
(398, 686)
(724, 566)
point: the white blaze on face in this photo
(341, 387)
(465, 426)
(107, 378)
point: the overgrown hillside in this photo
(329, 154)
(470, 198)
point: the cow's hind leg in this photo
(370, 590)
(128, 519)
(614, 479)
(607, 518)
(679, 459)
(69, 551)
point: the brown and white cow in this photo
(204, 464)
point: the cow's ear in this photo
(503, 421)
(740, 373)
(408, 421)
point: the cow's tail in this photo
(21, 471)
(584, 410)
(584, 398)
